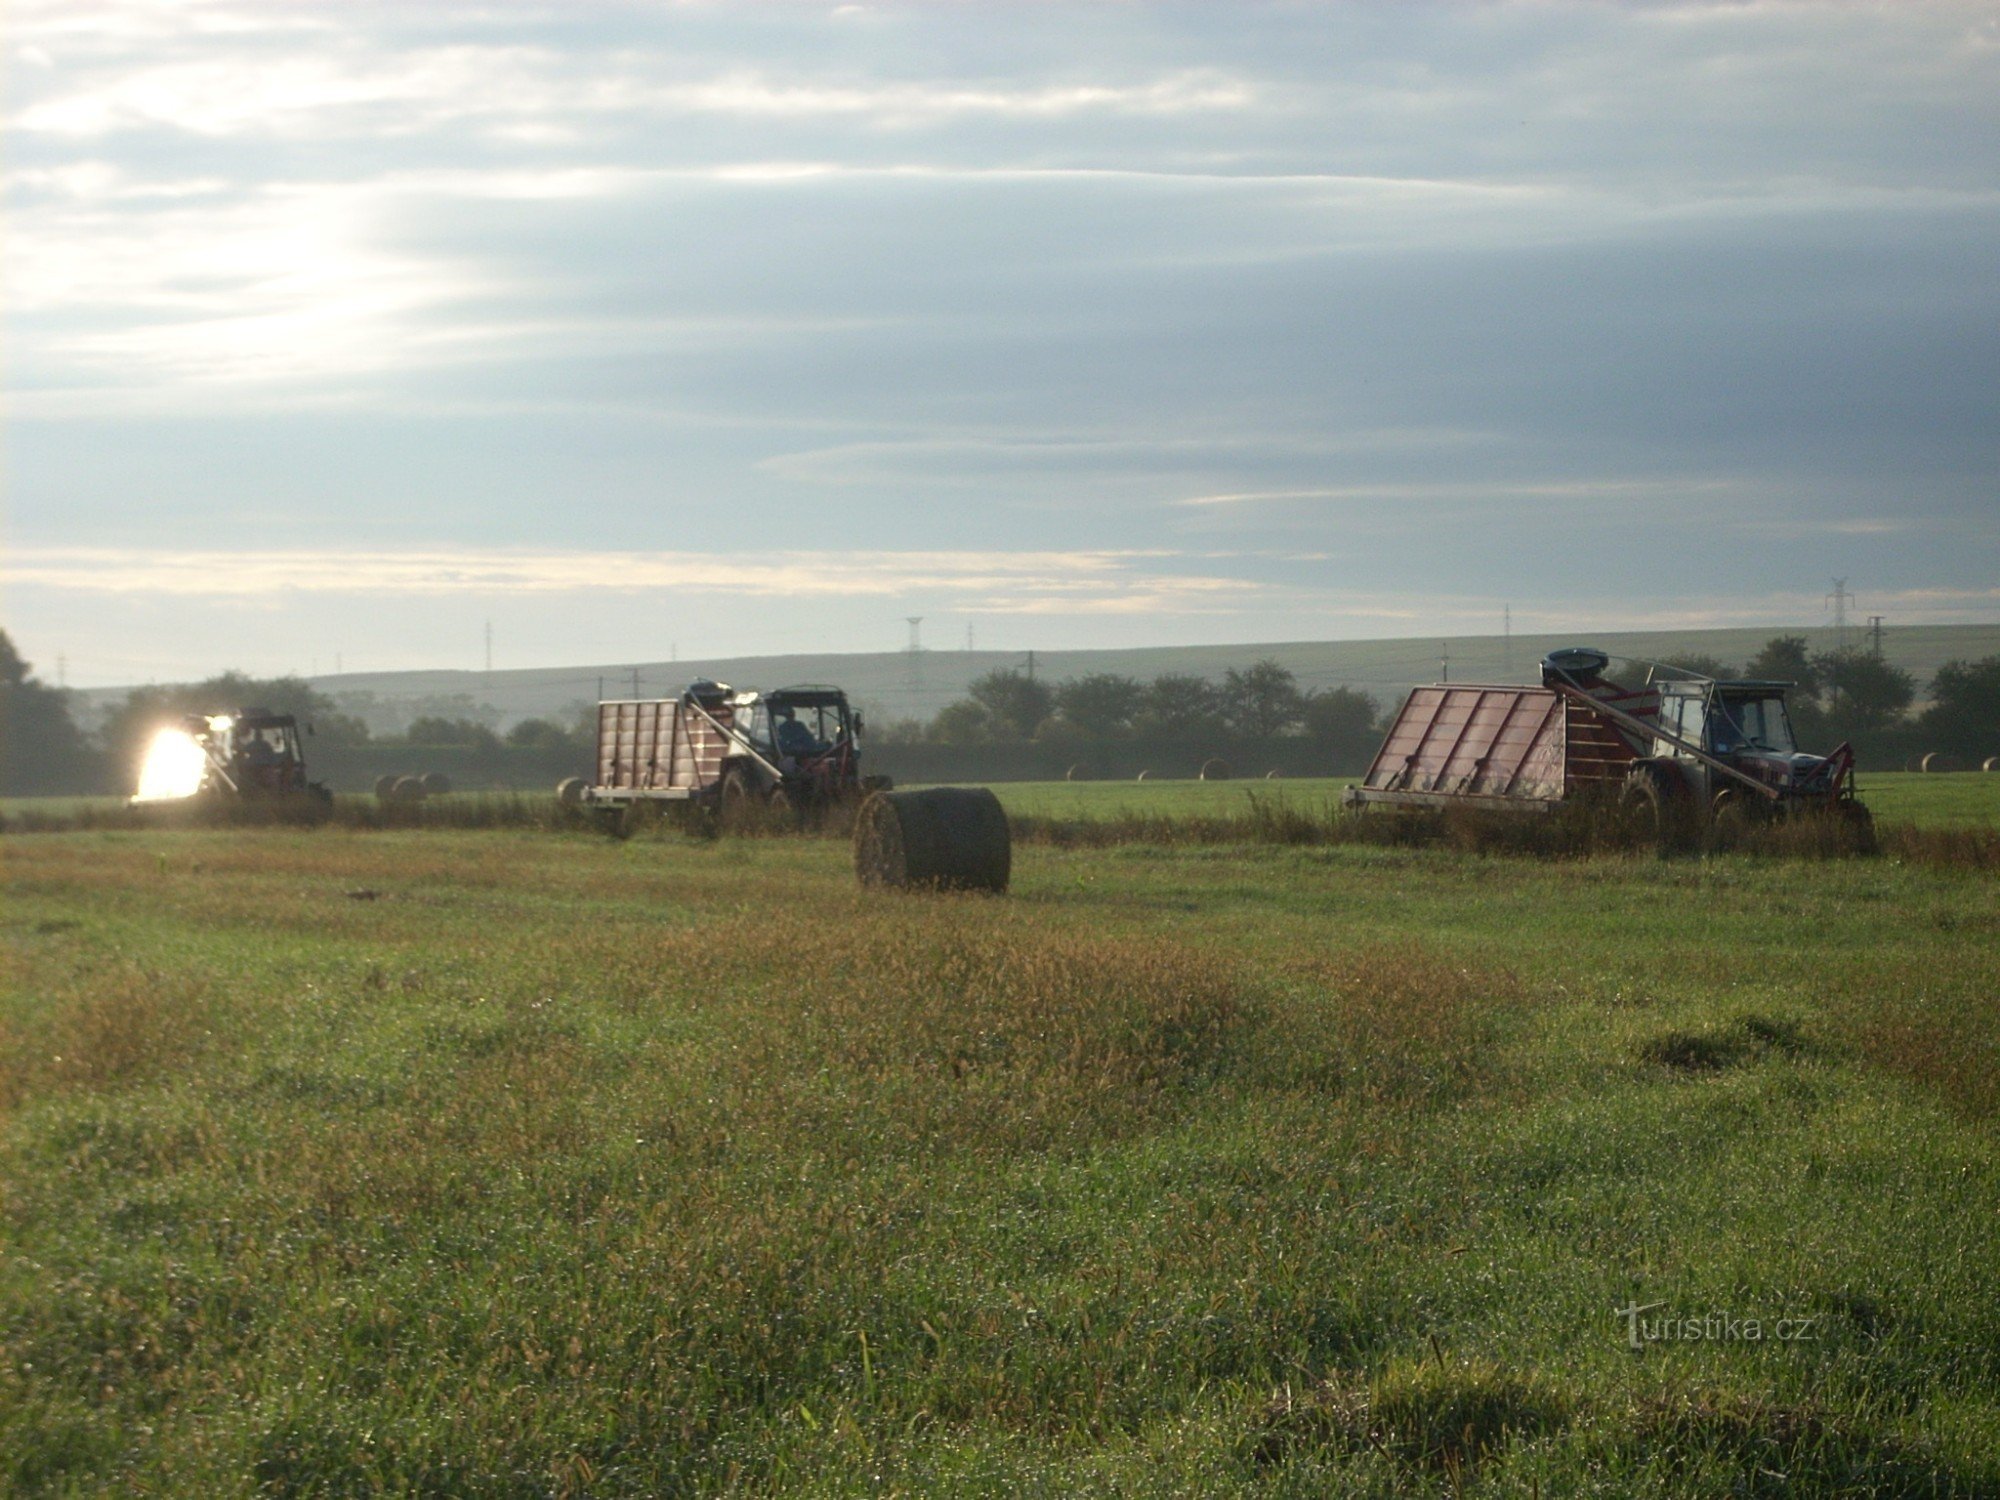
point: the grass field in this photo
(1964, 799)
(518, 1162)
(1968, 799)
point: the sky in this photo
(337, 333)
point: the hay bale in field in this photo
(569, 791)
(435, 783)
(1937, 760)
(407, 789)
(1991, 763)
(1144, 775)
(945, 838)
(1215, 769)
(1274, 774)
(1077, 772)
(385, 787)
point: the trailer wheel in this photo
(640, 815)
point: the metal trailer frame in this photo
(1494, 745)
(1531, 749)
(679, 750)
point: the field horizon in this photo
(896, 685)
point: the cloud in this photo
(1435, 295)
(1002, 582)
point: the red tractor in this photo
(715, 748)
(252, 755)
(1680, 749)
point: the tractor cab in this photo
(814, 735)
(798, 746)
(1744, 725)
(259, 750)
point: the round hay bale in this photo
(407, 789)
(436, 783)
(569, 791)
(1077, 772)
(1144, 775)
(1991, 763)
(385, 787)
(1274, 774)
(1937, 760)
(1215, 769)
(946, 838)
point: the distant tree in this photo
(1102, 704)
(1702, 665)
(1964, 714)
(965, 722)
(1861, 691)
(1015, 703)
(42, 752)
(1342, 722)
(541, 734)
(1785, 658)
(1180, 705)
(438, 733)
(1264, 698)
(885, 731)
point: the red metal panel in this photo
(1472, 740)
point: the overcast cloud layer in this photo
(341, 329)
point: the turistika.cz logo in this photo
(1712, 1327)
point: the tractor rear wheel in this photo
(1658, 807)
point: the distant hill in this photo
(900, 684)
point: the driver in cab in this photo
(794, 739)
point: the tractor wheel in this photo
(1657, 807)
(1730, 817)
(741, 796)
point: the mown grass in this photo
(501, 1162)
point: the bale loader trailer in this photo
(1676, 752)
(713, 749)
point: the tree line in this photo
(43, 751)
(1259, 702)
(1850, 692)
(1838, 695)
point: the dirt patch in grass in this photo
(1391, 1023)
(1742, 1040)
(1768, 1447)
(1427, 1416)
(120, 1029)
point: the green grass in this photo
(1959, 799)
(518, 1162)
(1967, 799)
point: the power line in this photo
(1839, 600)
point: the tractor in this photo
(250, 756)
